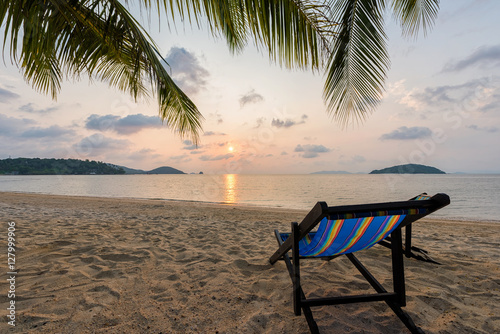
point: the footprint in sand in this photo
(249, 269)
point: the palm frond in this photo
(51, 39)
(358, 63)
(98, 38)
(296, 33)
(415, 14)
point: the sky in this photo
(441, 108)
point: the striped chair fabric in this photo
(349, 233)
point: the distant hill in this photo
(408, 169)
(165, 170)
(132, 170)
(331, 172)
(159, 170)
(37, 166)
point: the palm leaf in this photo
(296, 32)
(97, 38)
(414, 14)
(52, 39)
(359, 60)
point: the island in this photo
(37, 166)
(159, 170)
(165, 170)
(408, 169)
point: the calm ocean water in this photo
(473, 197)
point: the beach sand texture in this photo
(102, 265)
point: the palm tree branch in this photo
(415, 14)
(359, 61)
(296, 33)
(101, 39)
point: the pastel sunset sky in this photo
(441, 108)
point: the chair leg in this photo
(398, 275)
(408, 241)
(313, 327)
(296, 269)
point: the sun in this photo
(230, 148)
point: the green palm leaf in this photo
(53, 39)
(97, 38)
(415, 14)
(359, 60)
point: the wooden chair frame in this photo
(395, 299)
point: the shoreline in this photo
(108, 265)
(222, 204)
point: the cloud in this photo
(189, 145)
(217, 117)
(482, 94)
(260, 122)
(484, 56)
(405, 133)
(51, 132)
(127, 125)
(141, 155)
(98, 144)
(11, 126)
(6, 95)
(211, 133)
(250, 97)
(30, 107)
(299, 148)
(282, 124)
(217, 157)
(186, 70)
(456, 94)
(490, 129)
(311, 151)
(276, 122)
(180, 158)
(309, 155)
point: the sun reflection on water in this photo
(230, 182)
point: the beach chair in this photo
(343, 230)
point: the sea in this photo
(473, 197)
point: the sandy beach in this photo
(102, 265)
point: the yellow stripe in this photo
(359, 233)
(331, 236)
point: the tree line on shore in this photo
(37, 166)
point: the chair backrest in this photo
(347, 229)
(343, 232)
(342, 236)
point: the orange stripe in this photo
(358, 235)
(332, 235)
